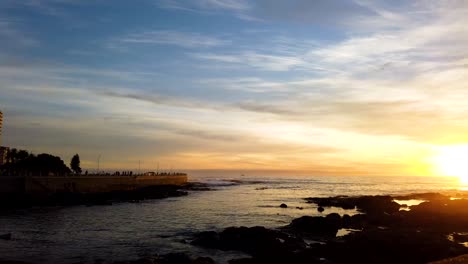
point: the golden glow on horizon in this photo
(453, 161)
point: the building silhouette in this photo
(3, 150)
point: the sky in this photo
(325, 87)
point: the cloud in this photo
(204, 5)
(12, 37)
(255, 60)
(246, 85)
(175, 38)
(55, 8)
(265, 108)
(323, 12)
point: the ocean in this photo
(126, 231)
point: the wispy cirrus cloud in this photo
(12, 36)
(204, 5)
(271, 62)
(175, 38)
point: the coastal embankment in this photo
(86, 184)
(19, 192)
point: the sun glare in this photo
(453, 161)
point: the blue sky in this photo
(329, 87)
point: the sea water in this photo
(126, 231)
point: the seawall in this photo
(85, 184)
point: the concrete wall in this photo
(85, 184)
(11, 184)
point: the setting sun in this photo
(452, 161)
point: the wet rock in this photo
(459, 237)
(317, 226)
(243, 261)
(422, 196)
(176, 258)
(284, 205)
(257, 241)
(203, 260)
(197, 186)
(171, 258)
(6, 236)
(391, 246)
(367, 204)
(463, 259)
(334, 219)
(446, 216)
(208, 239)
(346, 219)
(358, 221)
(13, 262)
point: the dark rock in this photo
(317, 226)
(459, 237)
(208, 239)
(203, 260)
(284, 205)
(13, 262)
(422, 196)
(6, 236)
(391, 246)
(367, 204)
(177, 258)
(197, 186)
(243, 261)
(320, 209)
(334, 219)
(146, 260)
(358, 221)
(463, 259)
(171, 258)
(346, 220)
(256, 241)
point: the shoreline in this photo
(12, 201)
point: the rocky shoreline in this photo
(20, 200)
(433, 230)
(384, 231)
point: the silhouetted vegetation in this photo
(23, 163)
(75, 164)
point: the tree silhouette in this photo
(75, 164)
(22, 163)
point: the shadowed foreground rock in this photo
(256, 241)
(172, 258)
(463, 259)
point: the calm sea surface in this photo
(127, 231)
